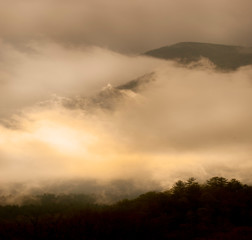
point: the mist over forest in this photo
(89, 96)
(106, 101)
(93, 114)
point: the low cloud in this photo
(43, 69)
(185, 122)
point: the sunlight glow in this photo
(62, 138)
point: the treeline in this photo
(217, 209)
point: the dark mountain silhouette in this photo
(223, 56)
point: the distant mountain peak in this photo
(225, 57)
(201, 43)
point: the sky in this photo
(62, 117)
(127, 26)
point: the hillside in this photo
(216, 209)
(223, 56)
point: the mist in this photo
(80, 105)
(64, 117)
(47, 68)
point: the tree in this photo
(217, 182)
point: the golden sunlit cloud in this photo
(187, 122)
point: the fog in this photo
(32, 74)
(63, 118)
(69, 113)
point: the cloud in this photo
(187, 122)
(62, 117)
(43, 69)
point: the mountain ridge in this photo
(225, 57)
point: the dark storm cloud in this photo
(132, 26)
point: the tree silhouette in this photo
(216, 209)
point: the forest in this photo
(216, 209)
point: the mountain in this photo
(225, 57)
(109, 97)
(139, 83)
